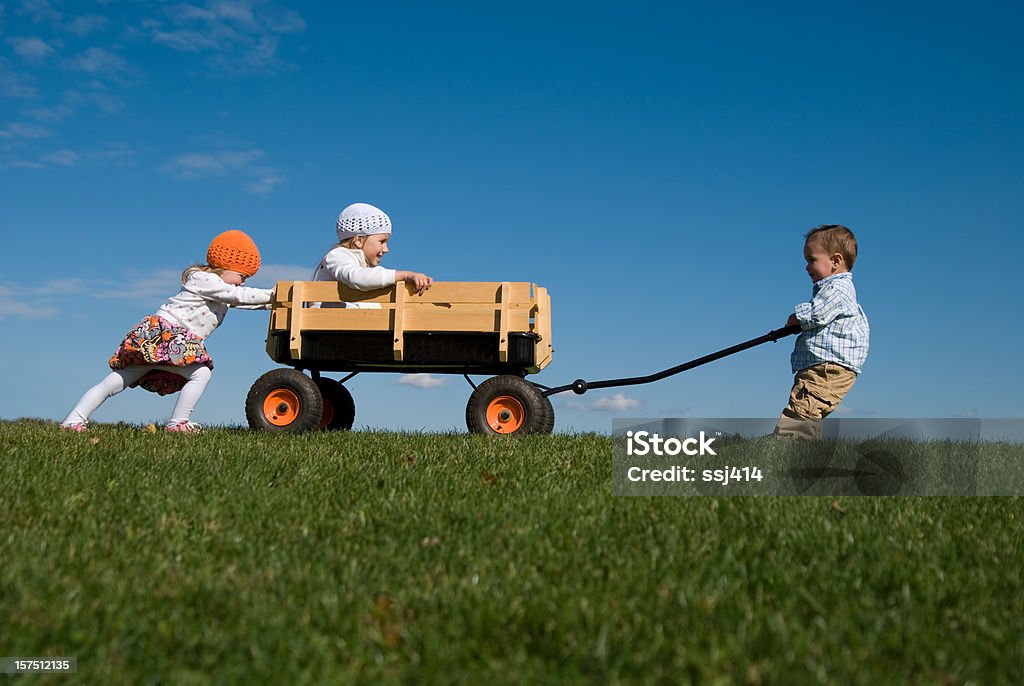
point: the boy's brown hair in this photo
(835, 238)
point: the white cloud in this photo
(849, 411)
(265, 184)
(230, 37)
(235, 11)
(240, 36)
(20, 130)
(13, 308)
(247, 15)
(421, 380)
(284, 21)
(62, 158)
(86, 24)
(99, 62)
(39, 11)
(58, 287)
(16, 163)
(54, 114)
(95, 94)
(42, 300)
(14, 84)
(615, 403)
(42, 12)
(184, 41)
(225, 163)
(148, 287)
(197, 165)
(33, 302)
(118, 154)
(256, 56)
(270, 274)
(32, 49)
(88, 94)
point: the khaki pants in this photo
(817, 392)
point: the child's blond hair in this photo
(835, 238)
(350, 242)
(199, 268)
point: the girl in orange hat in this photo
(166, 352)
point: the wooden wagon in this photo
(499, 329)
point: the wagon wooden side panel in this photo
(467, 327)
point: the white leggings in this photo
(197, 375)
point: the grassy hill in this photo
(381, 557)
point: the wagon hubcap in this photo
(281, 407)
(328, 415)
(505, 414)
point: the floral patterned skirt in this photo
(155, 341)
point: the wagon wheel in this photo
(549, 425)
(284, 401)
(339, 407)
(507, 404)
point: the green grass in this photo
(379, 557)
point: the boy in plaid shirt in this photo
(831, 349)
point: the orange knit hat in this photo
(234, 250)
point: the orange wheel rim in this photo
(281, 407)
(505, 414)
(328, 415)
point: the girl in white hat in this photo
(363, 233)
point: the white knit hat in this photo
(360, 219)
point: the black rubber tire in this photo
(538, 414)
(339, 407)
(307, 413)
(549, 413)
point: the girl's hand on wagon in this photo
(420, 282)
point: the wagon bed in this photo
(454, 327)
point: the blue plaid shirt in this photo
(835, 328)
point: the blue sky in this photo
(654, 165)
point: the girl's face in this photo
(233, 278)
(819, 263)
(375, 247)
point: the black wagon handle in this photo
(579, 386)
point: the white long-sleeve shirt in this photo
(204, 299)
(349, 267)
